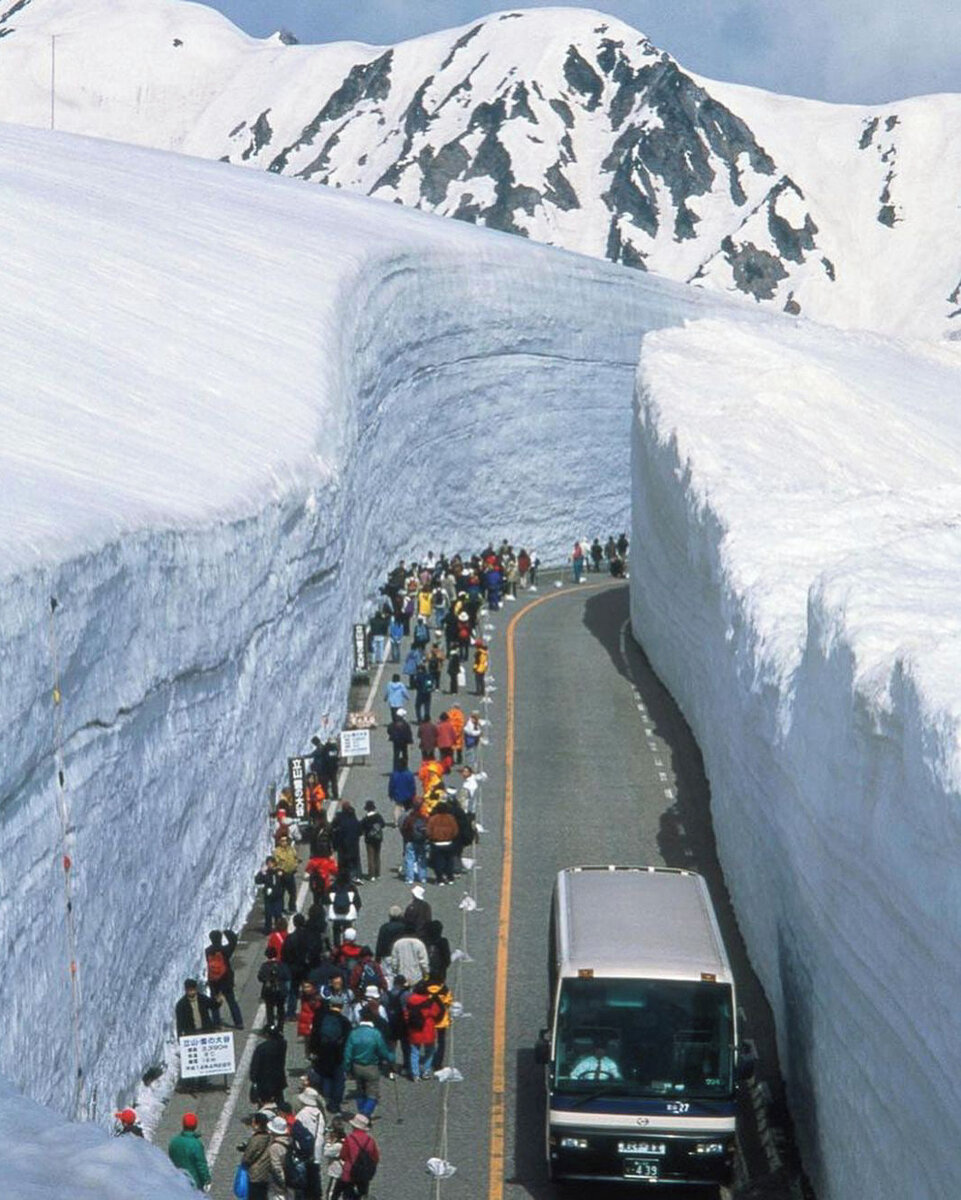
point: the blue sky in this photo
(857, 51)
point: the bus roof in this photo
(643, 922)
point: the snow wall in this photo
(795, 579)
(228, 403)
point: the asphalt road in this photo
(604, 770)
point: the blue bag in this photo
(241, 1182)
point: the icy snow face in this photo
(794, 580)
(228, 402)
(45, 1156)
(562, 125)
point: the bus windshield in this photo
(644, 1037)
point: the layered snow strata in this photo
(227, 403)
(795, 580)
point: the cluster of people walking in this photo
(366, 1010)
(585, 558)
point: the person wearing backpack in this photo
(422, 1012)
(413, 830)
(401, 737)
(311, 1119)
(277, 1158)
(364, 1053)
(325, 1046)
(423, 687)
(372, 825)
(220, 974)
(274, 979)
(345, 834)
(359, 1157)
(409, 956)
(343, 905)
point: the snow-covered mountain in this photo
(563, 125)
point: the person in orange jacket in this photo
(457, 719)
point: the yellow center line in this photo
(495, 1188)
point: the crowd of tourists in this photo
(367, 1009)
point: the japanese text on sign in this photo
(206, 1054)
(355, 743)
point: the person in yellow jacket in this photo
(480, 666)
(437, 988)
(425, 603)
(285, 856)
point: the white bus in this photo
(641, 1051)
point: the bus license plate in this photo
(641, 1168)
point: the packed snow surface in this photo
(228, 402)
(796, 567)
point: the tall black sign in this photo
(296, 769)
(360, 647)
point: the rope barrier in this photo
(66, 861)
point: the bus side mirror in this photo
(542, 1048)
(746, 1061)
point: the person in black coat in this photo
(401, 737)
(345, 834)
(268, 1069)
(195, 1012)
(296, 953)
(325, 1046)
(394, 927)
(438, 950)
(329, 766)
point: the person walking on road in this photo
(396, 695)
(279, 1141)
(268, 1068)
(480, 667)
(409, 957)
(274, 979)
(256, 1156)
(364, 1054)
(271, 880)
(422, 1013)
(345, 834)
(359, 1157)
(401, 737)
(328, 1036)
(372, 825)
(287, 862)
(417, 914)
(310, 1115)
(186, 1152)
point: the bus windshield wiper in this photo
(600, 1094)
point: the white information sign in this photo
(355, 743)
(207, 1054)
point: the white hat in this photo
(402, 712)
(311, 1096)
(360, 1122)
(372, 992)
(417, 891)
(350, 935)
(277, 1125)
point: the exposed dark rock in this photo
(791, 243)
(460, 44)
(366, 81)
(468, 210)
(440, 169)
(261, 133)
(582, 77)
(288, 38)
(631, 190)
(791, 305)
(890, 123)
(828, 268)
(607, 55)
(887, 216)
(464, 85)
(322, 161)
(559, 190)
(563, 110)
(15, 8)
(684, 221)
(955, 296)
(178, 42)
(867, 134)
(237, 128)
(755, 271)
(521, 106)
(510, 16)
(623, 252)
(567, 149)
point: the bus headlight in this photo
(709, 1148)
(573, 1143)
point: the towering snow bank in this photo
(46, 1157)
(227, 402)
(795, 580)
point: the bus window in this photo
(644, 1037)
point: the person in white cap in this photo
(359, 1157)
(277, 1154)
(418, 913)
(310, 1114)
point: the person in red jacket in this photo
(422, 1011)
(357, 1140)
(310, 1002)
(446, 740)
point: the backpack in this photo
(375, 833)
(367, 975)
(341, 902)
(363, 1168)
(295, 1168)
(216, 966)
(303, 1141)
(415, 1017)
(274, 988)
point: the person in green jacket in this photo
(364, 1051)
(186, 1151)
